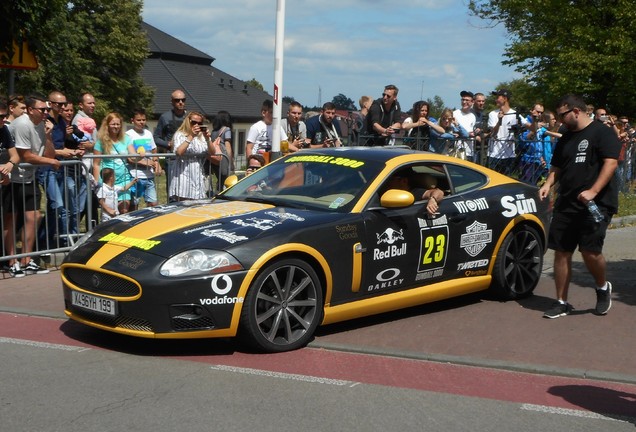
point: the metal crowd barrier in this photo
(67, 206)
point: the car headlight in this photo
(199, 262)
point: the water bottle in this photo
(594, 211)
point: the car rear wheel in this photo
(283, 307)
(519, 263)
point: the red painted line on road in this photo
(524, 388)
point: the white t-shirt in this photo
(109, 194)
(260, 134)
(502, 146)
(467, 121)
(139, 141)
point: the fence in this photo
(68, 203)
(69, 207)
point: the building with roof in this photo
(173, 64)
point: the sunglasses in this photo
(43, 110)
(192, 122)
(59, 103)
(179, 100)
(384, 95)
(4, 116)
(564, 113)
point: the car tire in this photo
(518, 264)
(283, 307)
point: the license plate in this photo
(94, 303)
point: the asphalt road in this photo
(463, 364)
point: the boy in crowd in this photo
(144, 168)
(108, 193)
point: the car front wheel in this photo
(518, 265)
(283, 307)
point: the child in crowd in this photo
(147, 167)
(108, 193)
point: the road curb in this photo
(482, 363)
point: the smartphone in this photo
(204, 129)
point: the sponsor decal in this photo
(121, 240)
(469, 206)
(433, 249)
(346, 162)
(223, 235)
(430, 274)
(162, 209)
(387, 278)
(347, 232)
(201, 228)
(221, 285)
(582, 150)
(131, 262)
(391, 251)
(517, 205)
(476, 238)
(127, 218)
(220, 300)
(337, 202)
(261, 224)
(424, 223)
(475, 272)
(473, 264)
(285, 216)
(390, 236)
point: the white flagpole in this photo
(278, 76)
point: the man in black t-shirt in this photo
(584, 161)
(384, 118)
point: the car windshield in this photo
(305, 180)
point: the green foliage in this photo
(437, 106)
(89, 45)
(254, 83)
(583, 47)
(342, 102)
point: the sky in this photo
(354, 47)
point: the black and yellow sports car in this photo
(313, 238)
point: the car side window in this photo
(465, 179)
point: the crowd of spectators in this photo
(60, 148)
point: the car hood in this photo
(166, 230)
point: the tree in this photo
(94, 46)
(437, 106)
(254, 83)
(583, 47)
(344, 103)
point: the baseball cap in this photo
(466, 93)
(502, 92)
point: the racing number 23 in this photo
(434, 248)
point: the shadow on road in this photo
(607, 402)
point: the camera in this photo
(604, 118)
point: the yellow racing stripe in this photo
(143, 233)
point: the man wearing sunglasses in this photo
(383, 119)
(583, 165)
(32, 134)
(167, 125)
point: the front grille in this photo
(101, 283)
(122, 321)
(192, 324)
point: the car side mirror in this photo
(230, 181)
(395, 198)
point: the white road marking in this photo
(42, 344)
(295, 377)
(574, 413)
